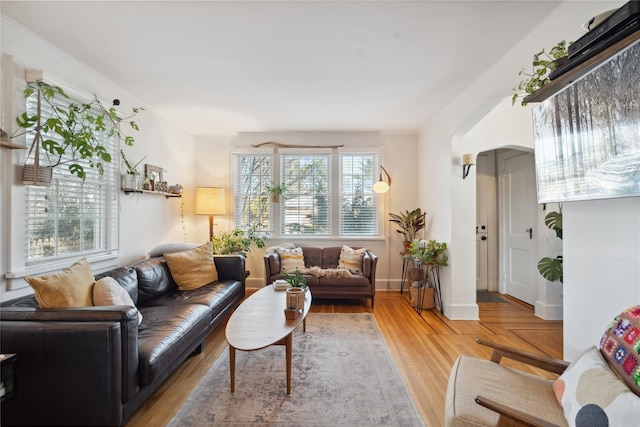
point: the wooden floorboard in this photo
(423, 346)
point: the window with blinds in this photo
(313, 204)
(72, 217)
(306, 207)
(253, 176)
(358, 202)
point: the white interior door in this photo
(518, 218)
(482, 224)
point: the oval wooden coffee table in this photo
(259, 322)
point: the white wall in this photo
(508, 126)
(145, 220)
(398, 157)
(601, 267)
(442, 143)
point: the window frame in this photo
(19, 265)
(335, 180)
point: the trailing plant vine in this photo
(542, 65)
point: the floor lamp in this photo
(210, 201)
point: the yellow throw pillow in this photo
(72, 287)
(351, 259)
(192, 269)
(290, 260)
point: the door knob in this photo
(483, 238)
(530, 231)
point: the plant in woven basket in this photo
(70, 133)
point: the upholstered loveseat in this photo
(321, 267)
(95, 365)
(601, 388)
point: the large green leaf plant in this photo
(552, 268)
(71, 132)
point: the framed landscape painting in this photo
(587, 137)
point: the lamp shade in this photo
(210, 201)
(380, 187)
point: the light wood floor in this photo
(423, 346)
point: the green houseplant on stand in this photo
(432, 255)
(409, 224)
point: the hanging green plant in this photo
(71, 131)
(542, 65)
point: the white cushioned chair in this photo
(601, 388)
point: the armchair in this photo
(486, 393)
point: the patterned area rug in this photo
(342, 375)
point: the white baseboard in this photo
(461, 311)
(548, 312)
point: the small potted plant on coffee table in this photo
(295, 294)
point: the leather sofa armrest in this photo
(371, 274)
(66, 350)
(230, 267)
(271, 266)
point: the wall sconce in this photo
(382, 186)
(467, 162)
(210, 201)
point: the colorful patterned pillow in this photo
(620, 346)
(290, 260)
(351, 259)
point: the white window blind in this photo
(252, 206)
(326, 193)
(72, 217)
(307, 198)
(358, 203)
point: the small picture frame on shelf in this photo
(154, 173)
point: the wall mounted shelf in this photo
(8, 144)
(159, 193)
(580, 70)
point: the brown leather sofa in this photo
(95, 365)
(356, 286)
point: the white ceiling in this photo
(217, 67)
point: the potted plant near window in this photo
(275, 191)
(409, 223)
(70, 133)
(131, 179)
(237, 241)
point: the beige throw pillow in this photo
(192, 269)
(290, 260)
(72, 287)
(351, 259)
(107, 291)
